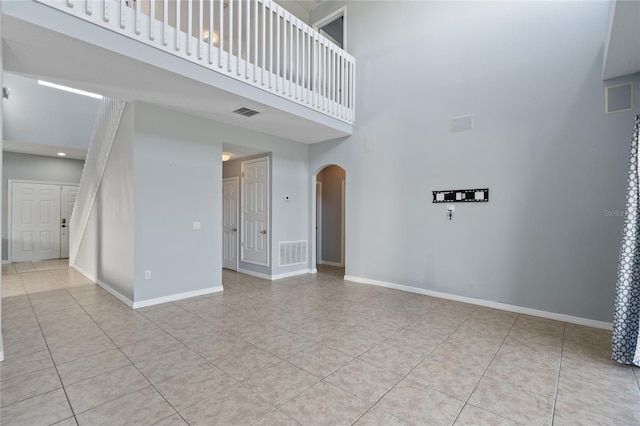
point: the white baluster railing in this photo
(255, 41)
(104, 132)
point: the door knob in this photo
(64, 226)
(234, 229)
(264, 231)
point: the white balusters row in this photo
(104, 132)
(256, 41)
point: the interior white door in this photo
(255, 212)
(35, 222)
(68, 196)
(230, 202)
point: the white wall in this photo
(106, 251)
(47, 116)
(35, 168)
(530, 72)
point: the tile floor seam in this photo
(132, 364)
(277, 407)
(24, 374)
(204, 359)
(152, 385)
(485, 371)
(52, 359)
(495, 414)
(555, 396)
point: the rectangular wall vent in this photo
(462, 124)
(619, 98)
(293, 252)
(246, 112)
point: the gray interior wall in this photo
(331, 178)
(47, 116)
(531, 73)
(36, 168)
(178, 180)
(107, 248)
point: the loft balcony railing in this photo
(255, 41)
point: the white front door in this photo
(255, 212)
(68, 196)
(35, 222)
(230, 200)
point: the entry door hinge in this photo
(242, 174)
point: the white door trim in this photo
(10, 183)
(236, 179)
(342, 222)
(318, 222)
(332, 17)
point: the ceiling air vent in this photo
(246, 112)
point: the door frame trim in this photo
(342, 219)
(318, 222)
(236, 179)
(10, 183)
(336, 14)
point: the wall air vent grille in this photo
(246, 112)
(293, 252)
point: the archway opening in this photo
(330, 219)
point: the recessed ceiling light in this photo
(61, 154)
(70, 89)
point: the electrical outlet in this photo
(147, 275)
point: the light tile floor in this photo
(311, 350)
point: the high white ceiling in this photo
(39, 52)
(622, 47)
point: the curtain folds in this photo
(626, 320)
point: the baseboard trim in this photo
(121, 297)
(175, 297)
(291, 274)
(5, 262)
(275, 277)
(487, 303)
(149, 302)
(254, 274)
(330, 263)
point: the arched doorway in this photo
(330, 217)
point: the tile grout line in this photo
(117, 347)
(414, 367)
(137, 369)
(55, 365)
(485, 371)
(555, 396)
(237, 382)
